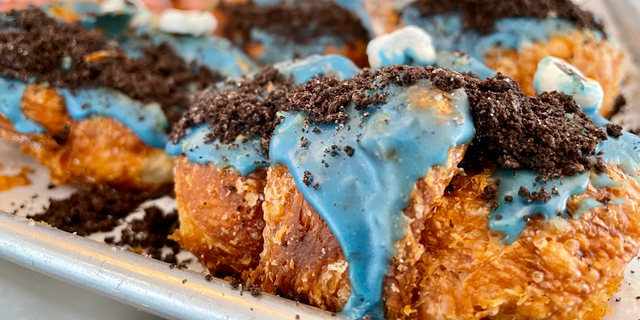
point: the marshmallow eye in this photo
(555, 74)
(408, 45)
(564, 67)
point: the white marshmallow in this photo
(192, 22)
(556, 74)
(396, 47)
(141, 15)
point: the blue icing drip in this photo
(11, 93)
(510, 216)
(602, 181)
(361, 197)
(277, 48)
(329, 65)
(619, 201)
(455, 62)
(624, 151)
(245, 158)
(449, 34)
(224, 157)
(586, 204)
(147, 121)
(216, 53)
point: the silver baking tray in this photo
(152, 286)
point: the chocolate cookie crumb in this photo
(521, 132)
(481, 15)
(489, 192)
(513, 130)
(540, 196)
(303, 142)
(600, 166)
(307, 178)
(349, 150)
(151, 235)
(299, 23)
(614, 130)
(508, 198)
(94, 210)
(159, 75)
(605, 199)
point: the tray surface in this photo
(152, 286)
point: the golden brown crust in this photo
(302, 259)
(595, 58)
(91, 151)
(557, 269)
(451, 265)
(220, 213)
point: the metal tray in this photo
(152, 286)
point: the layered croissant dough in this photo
(92, 151)
(221, 217)
(558, 269)
(302, 260)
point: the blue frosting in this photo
(147, 121)
(361, 197)
(245, 157)
(449, 34)
(602, 181)
(623, 151)
(193, 144)
(511, 217)
(456, 62)
(11, 93)
(218, 54)
(277, 48)
(586, 204)
(327, 65)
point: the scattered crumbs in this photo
(208, 277)
(605, 199)
(184, 281)
(614, 130)
(303, 142)
(541, 196)
(508, 198)
(235, 283)
(349, 150)
(307, 180)
(490, 192)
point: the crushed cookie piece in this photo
(349, 150)
(158, 75)
(482, 15)
(614, 130)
